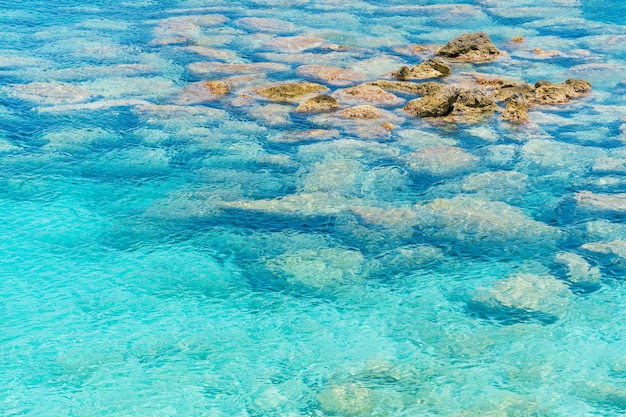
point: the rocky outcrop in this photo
(433, 68)
(318, 104)
(549, 93)
(516, 109)
(290, 92)
(434, 105)
(474, 102)
(420, 89)
(470, 47)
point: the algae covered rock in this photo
(474, 101)
(290, 92)
(434, 105)
(550, 93)
(433, 68)
(470, 47)
(420, 89)
(362, 112)
(318, 104)
(516, 109)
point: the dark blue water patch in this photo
(608, 11)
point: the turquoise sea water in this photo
(234, 258)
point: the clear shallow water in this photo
(135, 281)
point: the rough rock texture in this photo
(366, 93)
(331, 75)
(421, 89)
(516, 109)
(362, 112)
(290, 92)
(434, 105)
(474, 101)
(549, 93)
(432, 68)
(203, 91)
(318, 104)
(470, 47)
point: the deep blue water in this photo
(235, 258)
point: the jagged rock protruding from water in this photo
(318, 104)
(516, 109)
(522, 297)
(473, 102)
(472, 47)
(433, 68)
(290, 92)
(434, 105)
(420, 89)
(550, 93)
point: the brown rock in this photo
(516, 109)
(367, 93)
(421, 89)
(509, 89)
(549, 93)
(203, 91)
(362, 112)
(432, 68)
(318, 104)
(434, 105)
(474, 101)
(470, 47)
(331, 75)
(290, 92)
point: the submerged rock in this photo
(290, 92)
(472, 221)
(434, 105)
(615, 247)
(318, 104)
(433, 68)
(602, 202)
(294, 43)
(579, 271)
(471, 47)
(516, 109)
(362, 112)
(524, 296)
(347, 400)
(203, 91)
(320, 267)
(49, 93)
(331, 75)
(441, 160)
(366, 93)
(222, 68)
